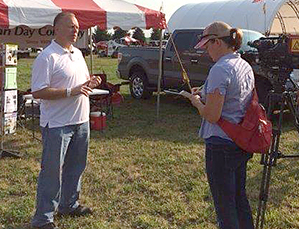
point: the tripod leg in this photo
(265, 196)
(292, 107)
(264, 160)
(264, 189)
(268, 160)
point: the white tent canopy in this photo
(265, 16)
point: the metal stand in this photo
(6, 153)
(270, 159)
(3, 152)
(31, 113)
(33, 118)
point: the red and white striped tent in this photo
(103, 13)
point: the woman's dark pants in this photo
(226, 170)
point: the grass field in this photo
(143, 172)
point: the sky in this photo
(169, 6)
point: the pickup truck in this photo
(140, 65)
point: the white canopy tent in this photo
(265, 16)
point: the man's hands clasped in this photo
(94, 82)
(87, 87)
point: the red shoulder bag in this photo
(254, 133)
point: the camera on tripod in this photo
(276, 58)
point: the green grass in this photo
(143, 172)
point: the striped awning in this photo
(106, 14)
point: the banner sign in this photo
(8, 54)
(10, 123)
(10, 101)
(27, 37)
(10, 78)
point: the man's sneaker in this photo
(79, 211)
(47, 226)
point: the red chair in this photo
(98, 102)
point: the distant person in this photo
(226, 93)
(61, 80)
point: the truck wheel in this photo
(139, 86)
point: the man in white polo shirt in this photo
(61, 80)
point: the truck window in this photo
(183, 41)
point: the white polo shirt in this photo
(57, 67)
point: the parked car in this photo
(115, 53)
(112, 49)
(23, 53)
(102, 53)
(139, 65)
(156, 43)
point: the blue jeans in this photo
(226, 170)
(63, 162)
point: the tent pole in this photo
(90, 45)
(160, 74)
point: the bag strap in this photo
(254, 98)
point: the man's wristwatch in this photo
(68, 92)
